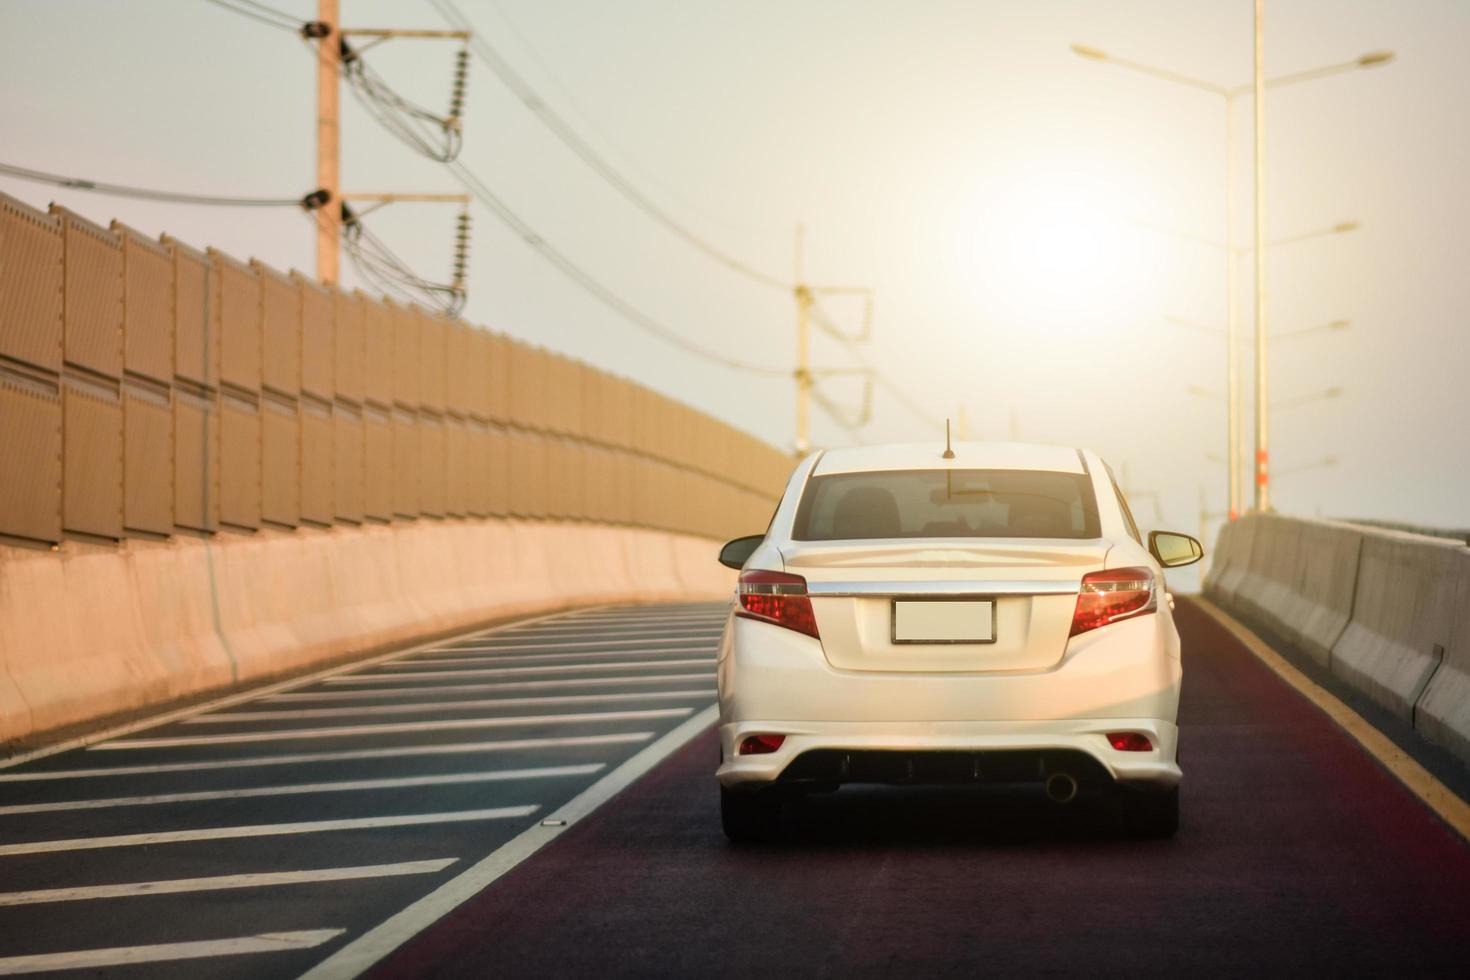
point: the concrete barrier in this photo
(1404, 610)
(1228, 574)
(1443, 712)
(1266, 591)
(102, 631)
(1320, 604)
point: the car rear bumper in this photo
(1049, 742)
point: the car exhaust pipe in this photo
(1061, 787)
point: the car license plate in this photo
(943, 621)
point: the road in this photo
(257, 838)
(1297, 854)
(260, 838)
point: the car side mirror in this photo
(736, 553)
(1174, 550)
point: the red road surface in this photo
(1296, 854)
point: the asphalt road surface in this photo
(1297, 854)
(257, 839)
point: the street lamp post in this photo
(1228, 96)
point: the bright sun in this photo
(1051, 245)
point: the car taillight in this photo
(1111, 595)
(778, 598)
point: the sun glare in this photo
(1052, 246)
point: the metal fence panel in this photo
(317, 451)
(497, 470)
(280, 461)
(148, 458)
(30, 285)
(318, 338)
(459, 367)
(407, 460)
(196, 315)
(30, 455)
(92, 458)
(378, 463)
(280, 330)
(498, 383)
(350, 346)
(196, 460)
(92, 296)
(378, 377)
(349, 455)
(239, 462)
(148, 315)
(407, 344)
(460, 467)
(478, 374)
(433, 466)
(239, 316)
(433, 361)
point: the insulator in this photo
(461, 249)
(456, 96)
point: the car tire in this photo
(1150, 816)
(751, 816)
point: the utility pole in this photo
(803, 348)
(1263, 407)
(328, 145)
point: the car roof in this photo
(967, 456)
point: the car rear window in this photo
(947, 504)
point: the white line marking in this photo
(154, 721)
(363, 952)
(455, 748)
(540, 632)
(573, 644)
(425, 707)
(302, 789)
(265, 830)
(418, 692)
(393, 728)
(86, 959)
(591, 658)
(503, 671)
(266, 879)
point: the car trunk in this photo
(1031, 583)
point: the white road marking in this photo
(546, 632)
(264, 830)
(504, 671)
(393, 728)
(593, 644)
(107, 734)
(424, 707)
(348, 755)
(266, 879)
(363, 952)
(590, 657)
(303, 789)
(418, 692)
(90, 959)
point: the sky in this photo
(1005, 200)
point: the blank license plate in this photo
(943, 621)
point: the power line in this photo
(602, 293)
(260, 13)
(564, 132)
(145, 193)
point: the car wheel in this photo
(1150, 816)
(750, 816)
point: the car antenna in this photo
(948, 451)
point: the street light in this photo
(1228, 95)
(1297, 334)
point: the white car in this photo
(926, 614)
